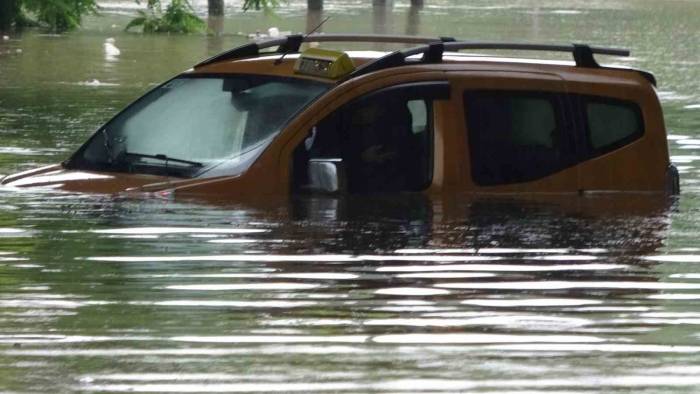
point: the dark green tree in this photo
(60, 15)
(10, 10)
(55, 15)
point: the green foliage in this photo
(265, 5)
(178, 17)
(60, 15)
(56, 15)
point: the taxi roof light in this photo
(324, 63)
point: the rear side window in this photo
(611, 123)
(515, 136)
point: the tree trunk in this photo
(216, 7)
(315, 5)
(215, 39)
(215, 25)
(313, 20)
(382, 20)
(413, 20)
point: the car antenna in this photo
(279, 61)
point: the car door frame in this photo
(345, 94)
(563, 180)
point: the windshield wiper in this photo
(164, 158)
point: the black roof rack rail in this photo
(432, 53)
(291, 44)
(580, 51)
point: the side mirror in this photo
(327, 176)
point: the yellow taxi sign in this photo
(324, 63)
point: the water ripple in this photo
(277, 286)
(558, 285)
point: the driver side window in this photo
(383, 141)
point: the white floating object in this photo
(96, 83)
(5, 38)
(18, 50)
(273, 32)
(111, 50)
(257, 36)
(566, 12)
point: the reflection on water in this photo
(376, 294)
(130, 295)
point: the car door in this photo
(376, 142)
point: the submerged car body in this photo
(428, 119)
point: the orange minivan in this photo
(269, 118)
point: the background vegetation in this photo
(178, 17)
(55, 15)
(62, 15)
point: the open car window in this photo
(197, 125)
(382, 141)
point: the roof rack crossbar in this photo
(379, 38)
(520, 46)
(583, 54)
(290, 44)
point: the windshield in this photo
(194, 125)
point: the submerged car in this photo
(268, 118)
